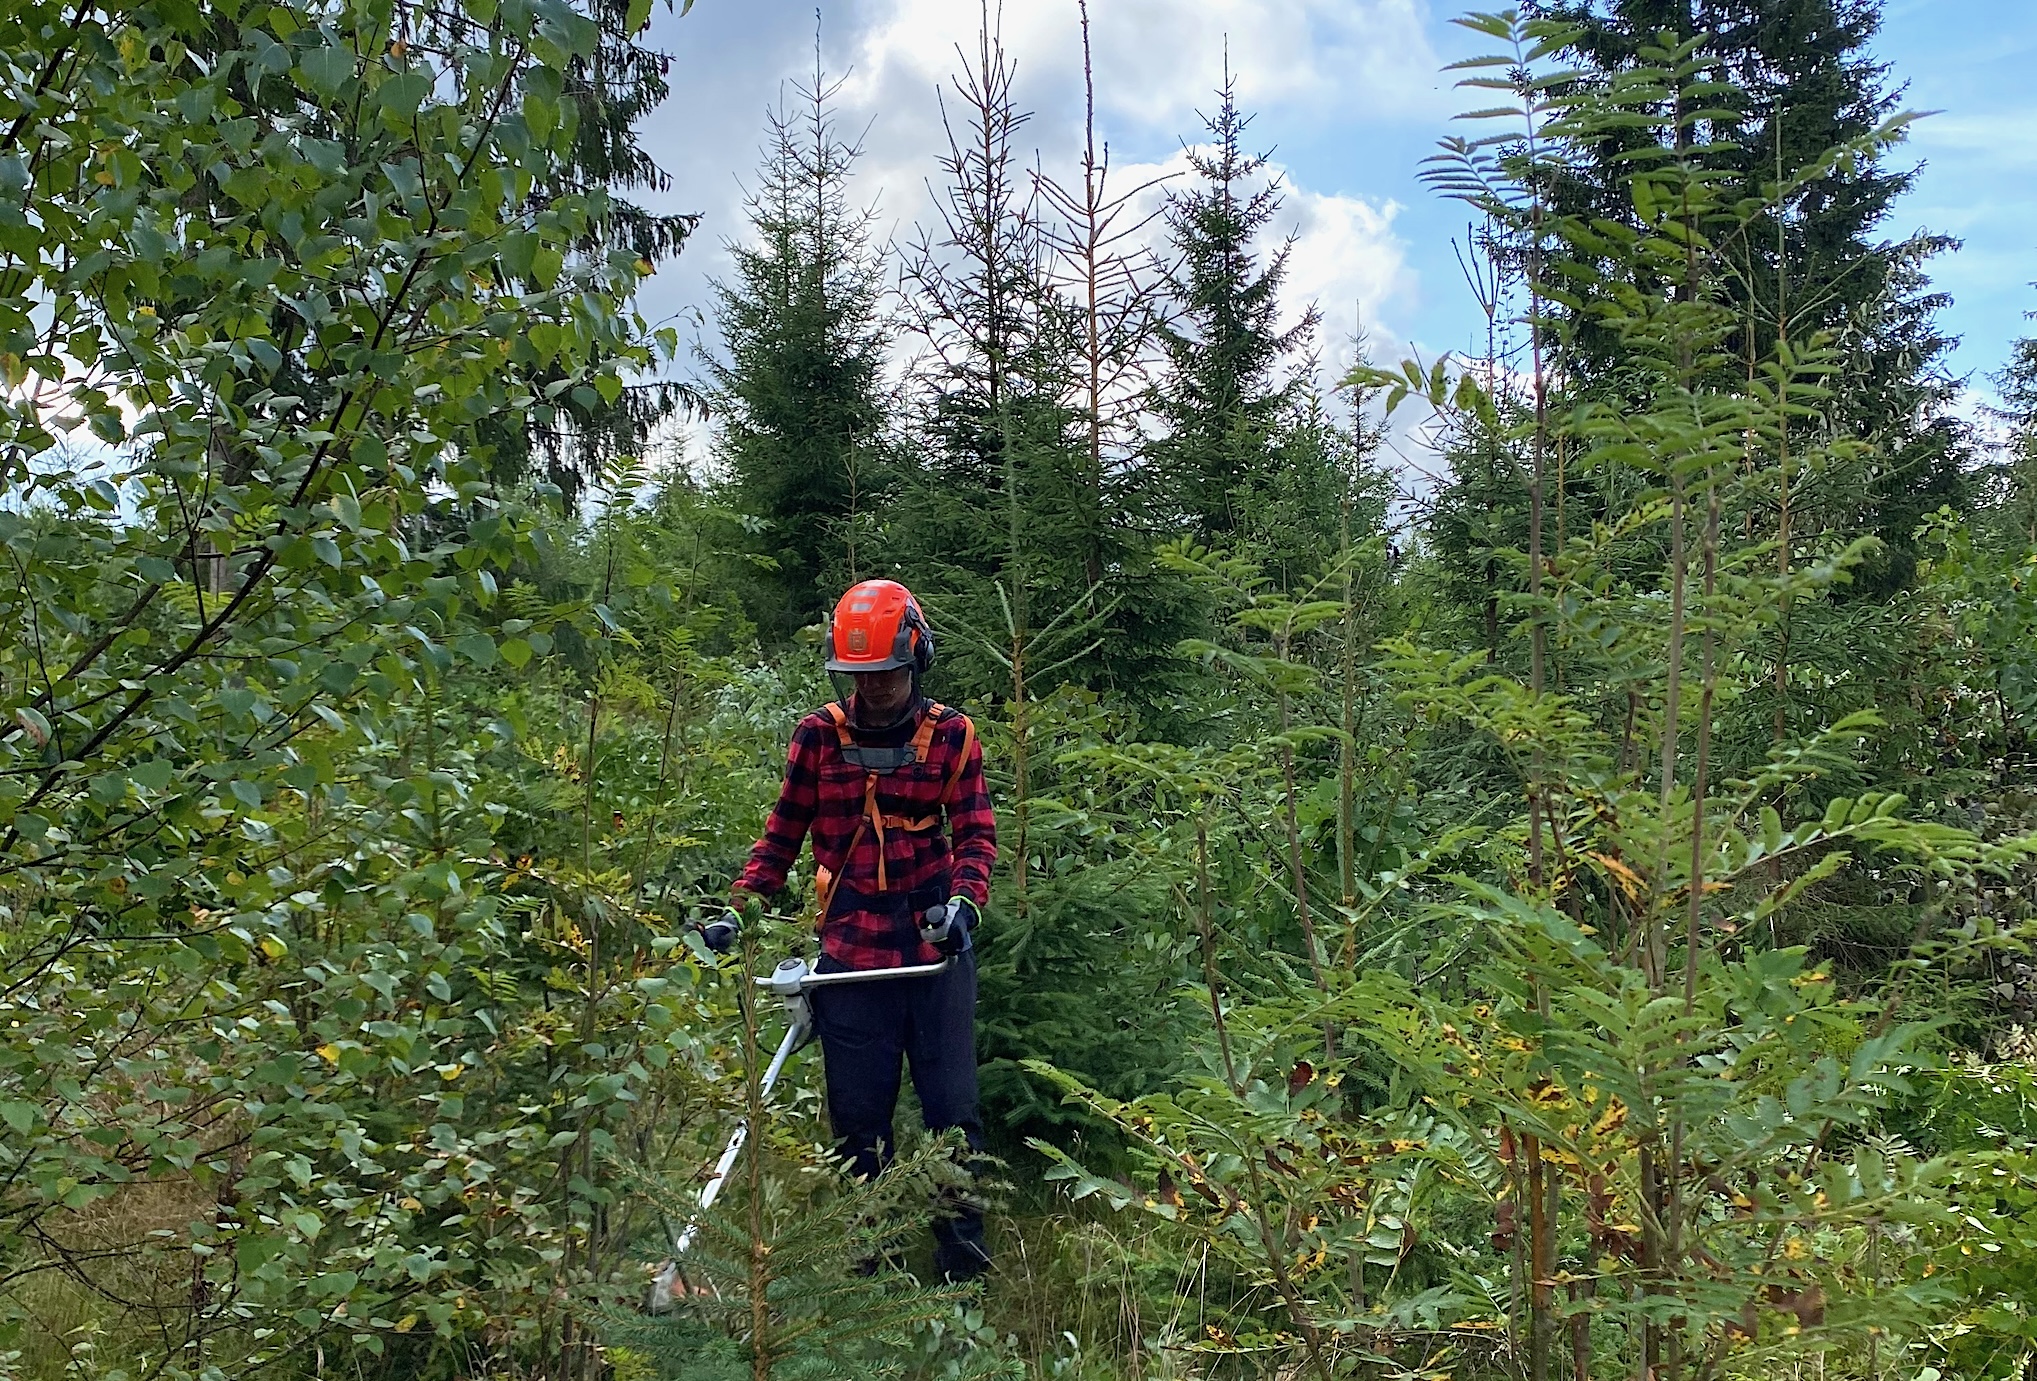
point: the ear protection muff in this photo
(915, 641)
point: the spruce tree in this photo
(1800, 81)
(1026, 517)
(2012, 478)
(799, 382)
(1237, 454)
(601, 99)
(1003, 523)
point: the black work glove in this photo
(719, 935)
(948, 927)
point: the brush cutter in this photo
(790, 983)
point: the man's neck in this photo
(861, 720)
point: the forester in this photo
(890, 787)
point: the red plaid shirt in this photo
(822, 794)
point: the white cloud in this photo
(1157, 61)
(1350, 263)
(1158, 64)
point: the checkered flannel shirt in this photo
(822, 795)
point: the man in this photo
(871, 780)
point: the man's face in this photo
(884, 693)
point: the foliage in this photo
(1577, 924)
(279, 266)
(801, 1279)
(1800, 80)
(1647, 1100)
(605, 93)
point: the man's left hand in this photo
(948, 927)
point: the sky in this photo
(1347, 96)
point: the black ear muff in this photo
(922, 645)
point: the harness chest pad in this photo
(882, 761)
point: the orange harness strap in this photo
(875, 818)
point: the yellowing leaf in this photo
(1627, 879)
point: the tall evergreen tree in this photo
(800, 379)
(2012, 478)
(1237, 454)
(1004, 522)
(1801, 81)
(601, 99)
(996, 442)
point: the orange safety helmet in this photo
(878, 626)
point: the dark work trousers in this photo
(929, 1023)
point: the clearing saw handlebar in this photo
(793, 979)
(798, 975)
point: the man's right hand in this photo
(720, 935)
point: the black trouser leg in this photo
(940, 1046)
(866, 1030)
(862, 1040)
